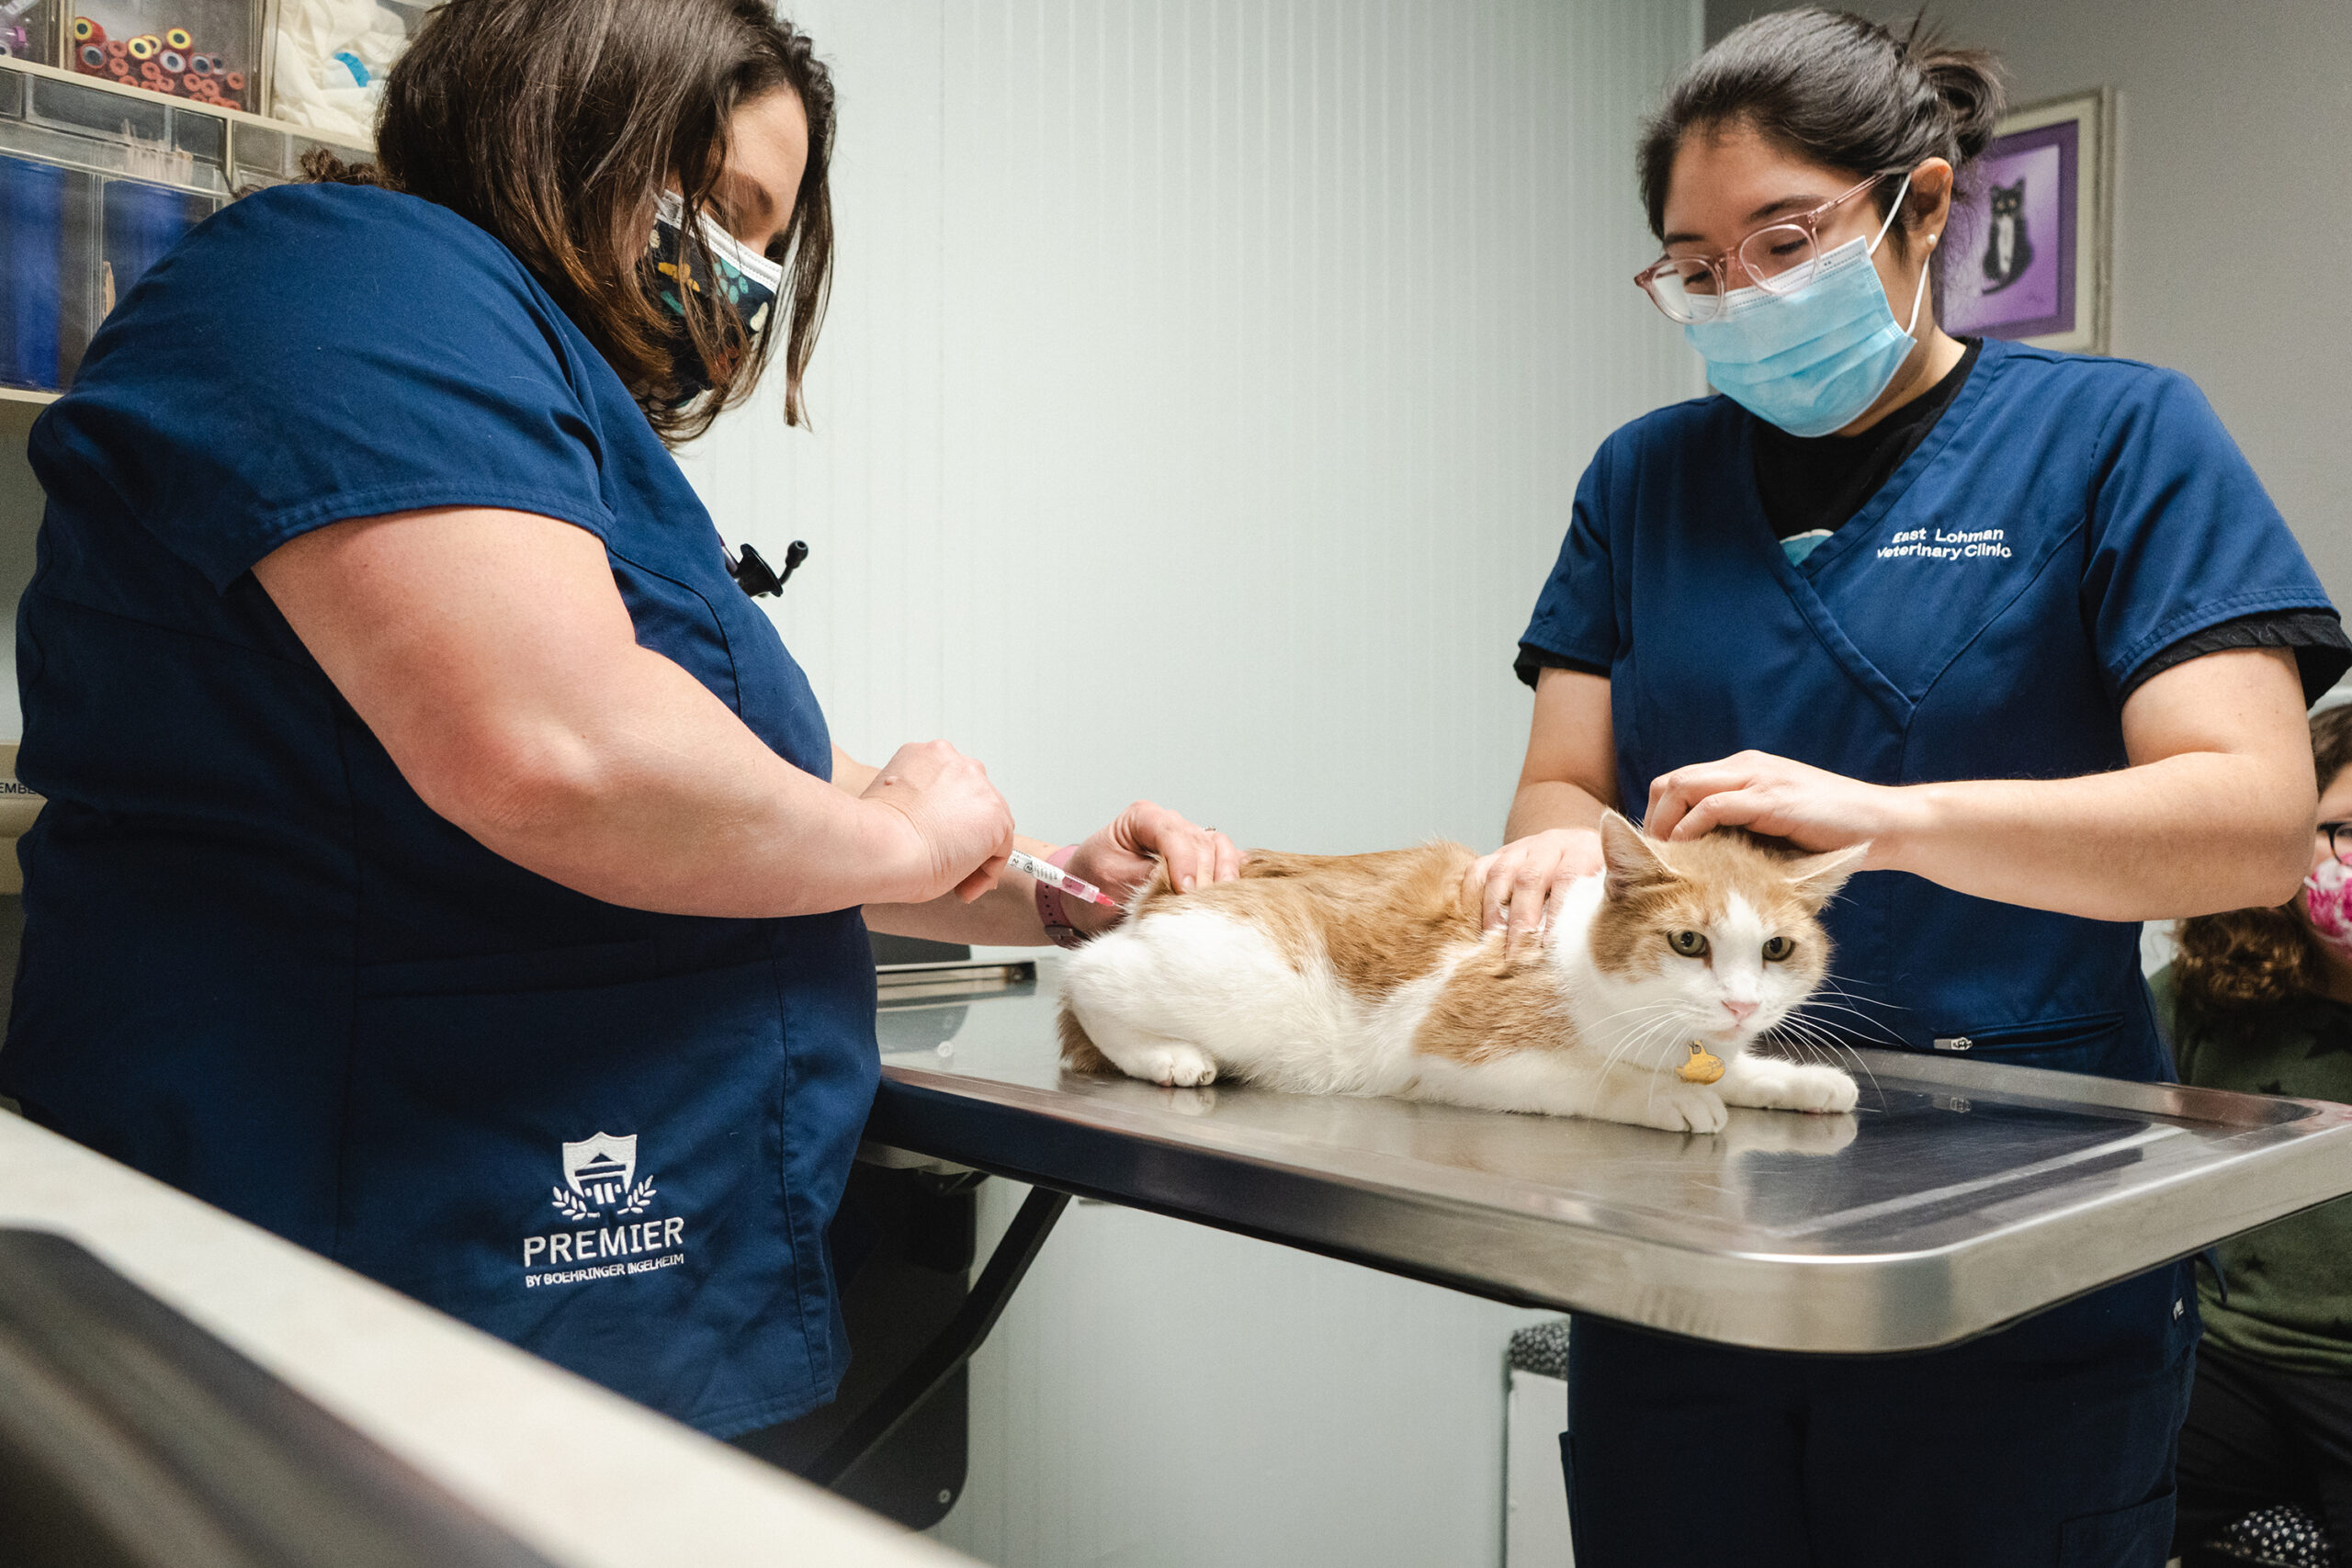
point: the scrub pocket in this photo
(2082, 1043)
(2129, 1537)
(593, 1171)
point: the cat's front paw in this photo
(1682, 1108)
(1790, 1086)
(1177, 1065)
(1811, 1087)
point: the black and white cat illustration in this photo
(2007, 251)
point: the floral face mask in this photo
(748, 281)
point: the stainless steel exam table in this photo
(1959, 1196)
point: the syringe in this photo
(1060, 880)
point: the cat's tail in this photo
(1080, 1054)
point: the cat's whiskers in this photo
(1639, 1036)
(1836, 985)
(1650, 1033)
(1831, 995)
(1674, 1008)
(1871, 1031)
(1815, 1037)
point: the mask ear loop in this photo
(1901, 191)
(1920, 293)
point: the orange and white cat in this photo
(1369, 975)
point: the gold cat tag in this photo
(1704, 1065)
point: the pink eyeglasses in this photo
(1780, 259)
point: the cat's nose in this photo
(1739, 1010)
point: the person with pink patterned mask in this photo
(2261, 1000)
(2327, 901)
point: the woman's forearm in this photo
(669, 803)
(1545, 803)
(2214, 813)
(2185, 835)
(491, 654)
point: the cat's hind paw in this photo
(1176, 1064)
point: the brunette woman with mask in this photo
(444, 864)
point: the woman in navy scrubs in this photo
(2026, 623)
(444, 864)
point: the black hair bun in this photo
(1966, 82)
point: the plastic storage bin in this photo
(47, 270)
(95, 186)
(137, 224)
(29, 31)
(206, 50)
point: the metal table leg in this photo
(937, 1361)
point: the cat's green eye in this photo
(1690, 944)
(1777, 948)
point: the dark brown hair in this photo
(556, 124)
(2251, 958)
(1835, 89)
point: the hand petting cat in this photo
(1810, 808)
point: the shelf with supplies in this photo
(316, 65)
(97, 182)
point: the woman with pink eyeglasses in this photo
(2024, 623)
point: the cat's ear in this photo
(1632, 862)
(1818, 878)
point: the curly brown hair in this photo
(556, 124)
(2250, 958)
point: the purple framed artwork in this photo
(2027, 257)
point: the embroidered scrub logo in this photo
(1934, 543)
(601, 1191)
(600, 1176)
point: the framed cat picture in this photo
(2029, 251)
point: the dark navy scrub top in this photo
(2067, 518)
(258, 966)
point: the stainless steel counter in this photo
(1960, 1196)
(583, 1477)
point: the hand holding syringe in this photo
(1057, 879)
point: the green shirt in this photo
(2291, 1282)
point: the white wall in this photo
(1207, 382)
(1205, 388)
(2234, 119)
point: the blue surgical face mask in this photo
(747, 280)
(1813, 361)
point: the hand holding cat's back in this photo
(1517, 885)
